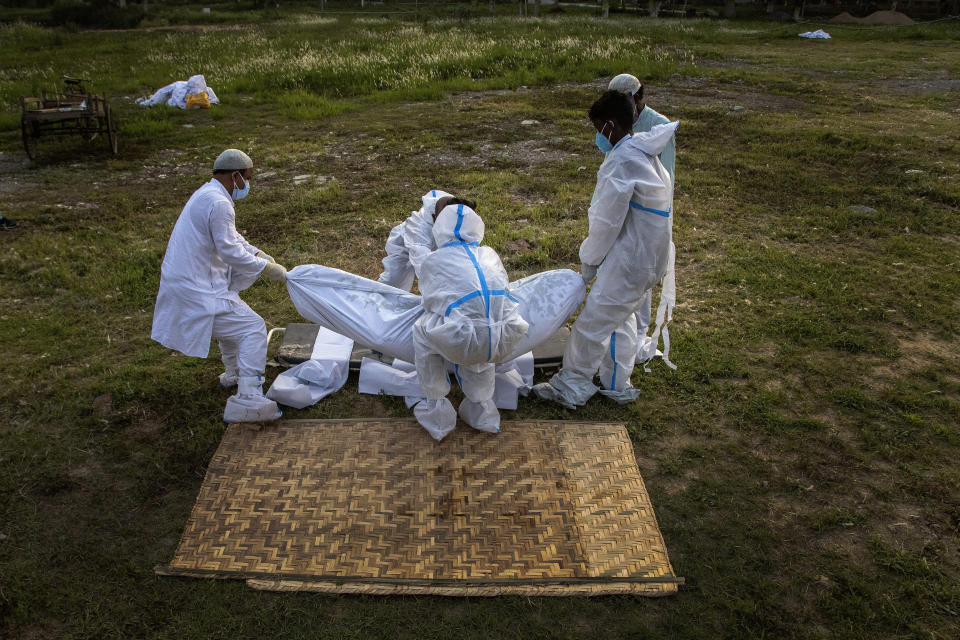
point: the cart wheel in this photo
(91, 128)
(111, 129)
(29, 139)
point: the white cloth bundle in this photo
(175, 94)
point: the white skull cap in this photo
(232, 160)
(624, 83)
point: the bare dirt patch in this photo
(517, 245)
(483, 95)
(669, 450)
(146, 429)
(726, 96)
(877, 17)
(682, 90)
(938, 82)
(729, 63)
(12, 168)
(50, 630)
(89, 472)
(9, 164)
(918, 351)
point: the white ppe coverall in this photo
(647, 344)
(469, 319)
(629, 237)
(409, 243)
(206, 263)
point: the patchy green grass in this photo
(802, 460)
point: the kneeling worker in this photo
(411, 241)
(207, 262)
(469, 319)
(627, 248)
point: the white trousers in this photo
(643, 314)
(242, 336)
(604, 336)
(477, 381)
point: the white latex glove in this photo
(274, 271)
(268, 258)
(588, 272)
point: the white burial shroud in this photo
(381, 317)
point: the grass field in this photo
(803, 459)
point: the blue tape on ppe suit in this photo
(613, 356)
(484, 291)
(636, 205)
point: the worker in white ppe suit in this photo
(410, 242)
(645, 119)
(207, 262)
(470, 320)
(627, 249)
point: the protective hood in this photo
(655, 140)
(430, 203)
(457, 223)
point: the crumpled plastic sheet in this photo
(312, 380)
(819, 34)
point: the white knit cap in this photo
(624, 83)
(232, 160)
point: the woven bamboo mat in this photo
(377, 507)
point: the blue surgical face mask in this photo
(240, 194)
(603, 142)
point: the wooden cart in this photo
(75, 112)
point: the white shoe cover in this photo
(249, 404)
(623, 396)
(250, 409)
(546, 391)
(482, 416)
(438, 417)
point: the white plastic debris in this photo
(819, 34)
(175, 94)
(324, 373)
(378, 377)
(513, 379)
